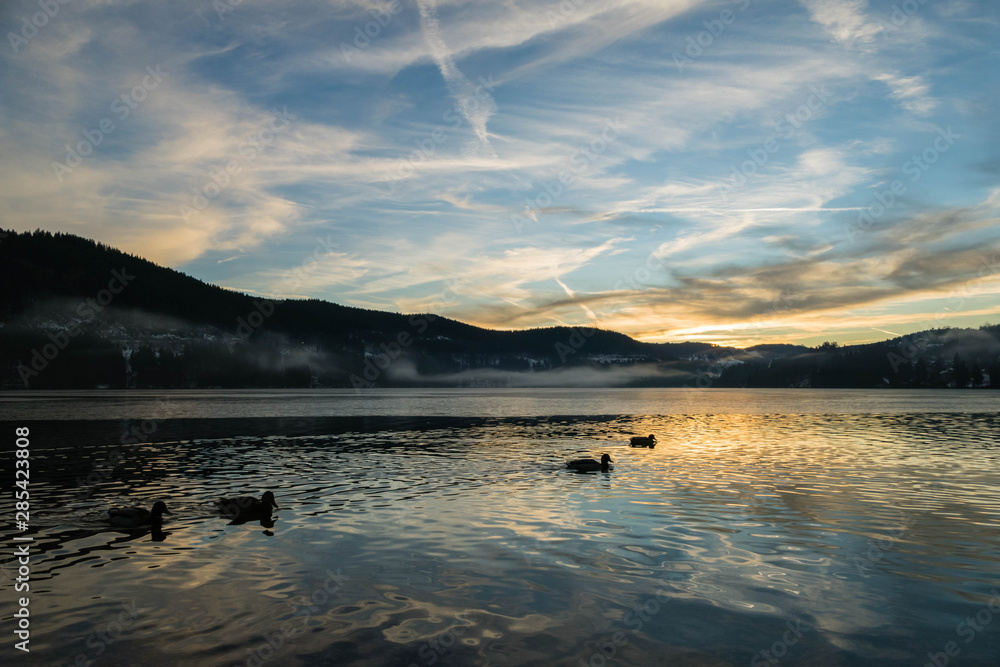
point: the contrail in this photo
(572, 295)
(721, 211)
(477, 106)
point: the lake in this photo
(441, 527)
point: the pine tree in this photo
(960, 372)
(920, 373)
(976, 372)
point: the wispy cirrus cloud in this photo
(730, 182)
(910, 91)
(845, 20)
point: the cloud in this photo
(951, 255)
(508, 277)
(911, 91)
(845, 20)
(317, 273)
(377, 156)
(475, 102)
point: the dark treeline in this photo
(81, 314)
(163, 328)
(938, 358)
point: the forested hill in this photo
(165, 328)
(77, 313)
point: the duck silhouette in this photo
(137, 517)
(643, 441)
(587, 465)
(247, 508)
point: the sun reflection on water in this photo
(472, 543)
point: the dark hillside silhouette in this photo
(80, 314)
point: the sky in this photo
(735, 172)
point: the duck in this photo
(248, 507)
(584, 465)
(643, 441)
(135, 517)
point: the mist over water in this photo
(475, 403)
(409, 534)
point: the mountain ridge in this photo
(77, 313)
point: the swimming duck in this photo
(135, 517)
(640, 441)
(248, 507)
(590, 464)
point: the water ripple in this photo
(472, 544)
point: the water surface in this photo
(862, 533)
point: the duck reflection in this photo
(266, 522)
(137, 517)
(155, 533)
